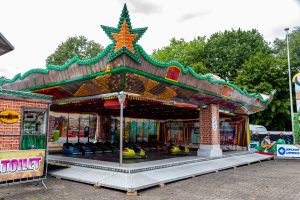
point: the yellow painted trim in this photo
(248, 130)
(294, 77)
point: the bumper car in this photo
(154, 145)
(107, 147)
(69, 148)
(115, 146)
(181, 150)
(98, 147)
(133, 151)
(87, 148)
(104, 147)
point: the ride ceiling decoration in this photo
(135, 106)
(125, 66)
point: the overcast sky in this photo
(36, 27)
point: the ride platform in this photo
(137, 176)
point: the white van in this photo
(257, 129)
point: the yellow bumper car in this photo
(129, 153)
(181, 150)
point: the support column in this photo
(98, 129)
(209, 132)
(103, 128)
(121, 98)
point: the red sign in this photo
(227, 91)
(113, 104)
(173, 73)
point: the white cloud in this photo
(35, 28)
(190, 16)
(144, 7)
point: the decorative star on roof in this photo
(124, 37)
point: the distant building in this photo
(5, 46)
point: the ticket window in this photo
(33, 130)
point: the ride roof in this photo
(124, 66)
(5, 45)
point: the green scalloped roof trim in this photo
(208, 77)
(24, 94)
(50, 67)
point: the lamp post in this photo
(290, 81)
(121, 98)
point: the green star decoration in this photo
(124, 37)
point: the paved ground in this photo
(268, 180)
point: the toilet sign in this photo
(16, 165)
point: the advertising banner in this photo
(296, 80)
(21, 164)
(287, 150)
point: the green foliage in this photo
(73, 46)
(280, 48)
(297, 127)
(226, 52)
(246, 59)
(262, 73)
(187, 53)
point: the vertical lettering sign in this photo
(296, 79)
(21, 164)
(214, 123)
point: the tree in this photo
(80, 46)
(226, 52)
(187, 53)
(260, 74)
(280, 48)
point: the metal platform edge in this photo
(125, 168)
(132, 182)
